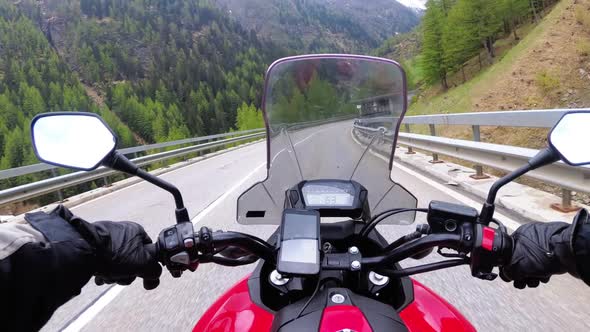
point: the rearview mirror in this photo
(73, 140)
(568, 141)
(570, 137)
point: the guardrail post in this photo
(201, 153)
(478, 168)
(434, 155)
(60, 195)
(566, 202)
(410, 151)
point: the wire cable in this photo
(315, 291)
(423, 268)
(375, 217)
(384, 215)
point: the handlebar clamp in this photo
(177, 247)
(342, 261)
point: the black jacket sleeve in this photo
(582, 251)
(41, 276)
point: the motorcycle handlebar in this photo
(204, 245)
(487, 248)
(247, 242)
(453, 241)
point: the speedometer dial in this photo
(328, 194)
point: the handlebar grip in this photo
(152, 249)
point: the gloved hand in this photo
(120, 251)
(540, 251)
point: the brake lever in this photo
(233, 252)
(450, 255)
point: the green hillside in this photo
(33, 79)
(323, 26)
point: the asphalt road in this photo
(211, 188)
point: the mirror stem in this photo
(119, 162)
(544, 157)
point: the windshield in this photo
(330, 118)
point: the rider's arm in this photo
(47, 261)
(581, 246)
(39, 273)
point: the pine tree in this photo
(14, 147)
(31, 99)
(513, 11)
(248, 117)
(482, 20)
(432, 55)
(458, 41)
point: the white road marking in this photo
(507, 221)
(92, 311)
(277, 155)
(143, 181)
(225, 195)
(303, 140)
(308, 137)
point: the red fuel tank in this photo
(430, 313)
(235, 312)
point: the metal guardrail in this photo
(501, 157)
(530, 119)
(30, 169)
(27, 191)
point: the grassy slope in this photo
(551, 48)
(513, 83)
(462, 98)
(459, 99)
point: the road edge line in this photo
(91, 311)
(507, 221)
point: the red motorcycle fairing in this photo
(344, 318)
(235, 312)
(430, 312)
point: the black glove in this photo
(540, 251)
(121, 251)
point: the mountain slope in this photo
(400, 47)
(548, 68)
(323, 25)
(169, 69)
(155, 70)
(33, 79)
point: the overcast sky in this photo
(414, 3)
